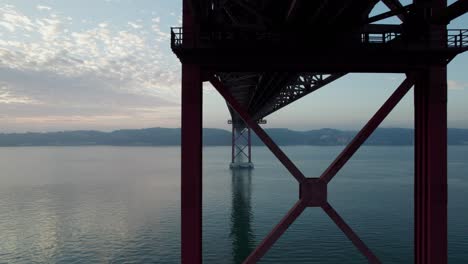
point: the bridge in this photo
(264, 55)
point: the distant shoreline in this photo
(205, 146)
(160, 137)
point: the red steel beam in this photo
(368, 129)
(191, 165)
(350, 234)
(430, 182)
(430, 186)
(191, 152)
(276, 233)
(220, 87)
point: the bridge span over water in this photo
(263, 55)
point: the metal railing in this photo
(378, 38)
(177, 36)
(456, 38)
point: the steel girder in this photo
(241, 145)
(263, 93)
(302, 85)
(313, 191)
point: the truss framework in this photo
(425, 47)
(247, 88)
(241, 146)
(313, 191)
(302, 85)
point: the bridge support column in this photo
(241, 154)
(430, 186)
(191, 182)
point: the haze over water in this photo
(122, 205)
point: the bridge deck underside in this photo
(282, 14)
(263, 93)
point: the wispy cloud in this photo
(49, 67)
(42, 7)
(135, 25)
(7, 96)
(456, 85)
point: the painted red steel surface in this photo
(308, 196)
(370, 127)
(191, 154)
(276, 233)
(258, 130)
(430, 180)
(430, 186)
(348, 231)
(191, 182)
(430, 183)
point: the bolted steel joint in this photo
(313, 192)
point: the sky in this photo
(107, 64)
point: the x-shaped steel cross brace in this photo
(313, 191)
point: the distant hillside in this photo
(215, 137)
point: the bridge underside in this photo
(264, 55)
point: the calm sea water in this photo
(121, 205)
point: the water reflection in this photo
(241, 215)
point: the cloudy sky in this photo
(106, 64)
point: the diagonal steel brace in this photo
(368, 129)
(339, 162)
(276, 233)
(220, 87)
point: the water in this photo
(122, 205)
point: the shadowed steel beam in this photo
(362, 136)
(276, 233)
(195, 9)
(317, 11)
(388, 14)
(453, 11)
(262, 18)
(268, 90)
(343, 6)
(350, 234)
(220, 87)
(285, 97)
(395, 5)
(292, 9)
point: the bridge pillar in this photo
(241, 154)
(191, 149)
(430, 184)
(191, 182)
(430, 188)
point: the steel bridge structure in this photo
(263, 55)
